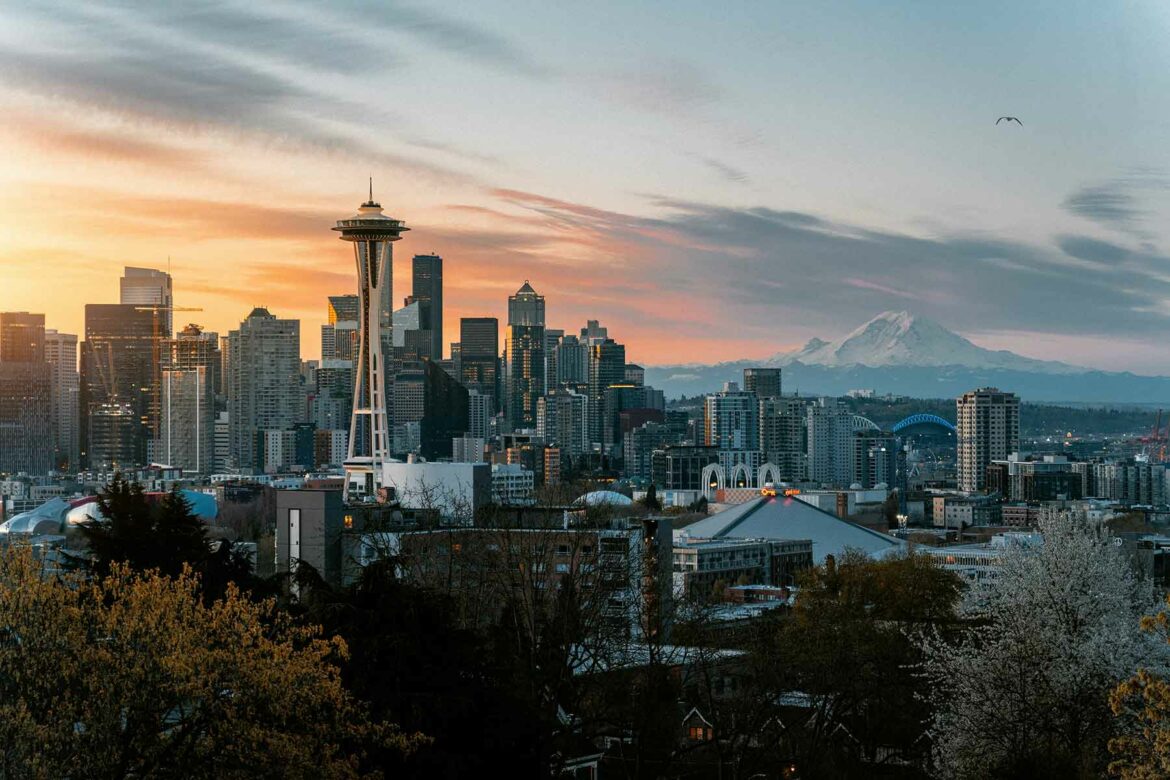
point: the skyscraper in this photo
(26, 426)
(552, 343)
(607, 367)
(427, 291)
(191, 364)
(572, 361)
(762, 382)
(479, 356)
(148, 287)
(264, 388)
(22, 337)
(988, 429)
(372, 234)
(187, 429)
(118, 376)
(525, 350)
(61, 355)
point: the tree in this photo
(1023, 692)
(133, 675)
(130, 531)
(1142, 706)
(651, 501)
(166, 538)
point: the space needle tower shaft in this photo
(372, 234)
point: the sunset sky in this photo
(712, 181)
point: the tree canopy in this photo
(134, 675)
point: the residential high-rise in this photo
(479, 356)
(763, 382)
(731, 419)
(783, 431)
(830, 427)
(561, 419)
(61, 355)
(607, 367)
(525, 350)
(26, 422)
(427, 291)
(118, 373)
(264, 388)
(149, 287)
(479, 414)
(875, 459)
(372, 234)
(988, 429)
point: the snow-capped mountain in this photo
(899, 338)
(899, 353)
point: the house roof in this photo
(784, 517)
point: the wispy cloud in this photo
(1117, 204)
(728, 172)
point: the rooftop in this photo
(784, 517)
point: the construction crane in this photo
(1155, 443)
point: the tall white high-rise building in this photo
(148, 287)
(830, 429)
(988, 429)
(783, 430)
(187, 420)
(264, 383)
(372, 234)
(65, 386)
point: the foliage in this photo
(832, 688)
(166, 538)
(1142, 705)
(420, 664)
(128, 674)
(1024, 692)
(650, 501)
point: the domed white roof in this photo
(604, 498)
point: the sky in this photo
(712, 181)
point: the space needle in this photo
(372, 234)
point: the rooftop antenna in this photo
(371, 189)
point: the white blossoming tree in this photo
(1023, 690)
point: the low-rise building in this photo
(699, 564)
(512, 484)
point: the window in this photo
(699, 733)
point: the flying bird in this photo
(1010, 119)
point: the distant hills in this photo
(900, 353)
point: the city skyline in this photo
(667, 193)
